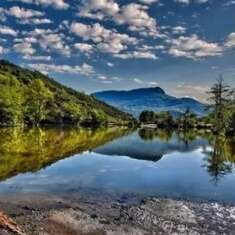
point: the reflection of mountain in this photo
(152, 150)
(31, 150)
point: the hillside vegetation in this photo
(31, 98)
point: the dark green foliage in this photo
(221, 98)
(32, 98)
(162, 119)
(147, 117)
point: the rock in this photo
(8, 226)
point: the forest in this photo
(30, 98)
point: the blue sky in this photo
(92, 45)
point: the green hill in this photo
(32, 98)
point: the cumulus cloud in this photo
(23, 13)
(98, 9)
(84, 47)
(230, 41)
(134, 15)
(24, 16)
(24, 48)
(83, 69)
(137, 55)
(106, 40)
(148, 1)
(193, 47)
(58, 4)
(8, 31)
(50, 41)
(35, 21)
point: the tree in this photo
(189, 118)
(220, 98)
(11, 102)
(147, 117)
(165, 119)
(38, 97)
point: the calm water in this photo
(144, 162)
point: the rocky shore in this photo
(99, 214)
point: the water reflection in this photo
(220, 159)
(160, 163)
(32, 149)
(219, 151)
(152, 145)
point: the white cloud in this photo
(107, 41)
(148, 1)
(193, 47)
(231, 40)
(58, 4)
(179, 30)
(50, 41)
(7, 31)
(40, 57)
(134, 15)
(137, 55)
(102, 77)
(83, 69)
(183, 1)
(36, 21)
(110, 64)
(24, 48)
(84, 47)
(99, 8)
(22, 13)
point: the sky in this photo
(183, 46)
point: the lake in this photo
(189, 165)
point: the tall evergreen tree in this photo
(220, 98)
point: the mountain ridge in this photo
(155, 98)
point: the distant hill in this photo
(137, 100)
(30, 97)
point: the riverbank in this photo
(101, 214)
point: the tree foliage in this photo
(222, 104)
(31, 98)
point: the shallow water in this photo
(194, 166)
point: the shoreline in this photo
(101, 214)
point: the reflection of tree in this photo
(187, 136)
(221, 159)
(151, 134)
(30, 150)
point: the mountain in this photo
(32, 98)
(137, 100)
